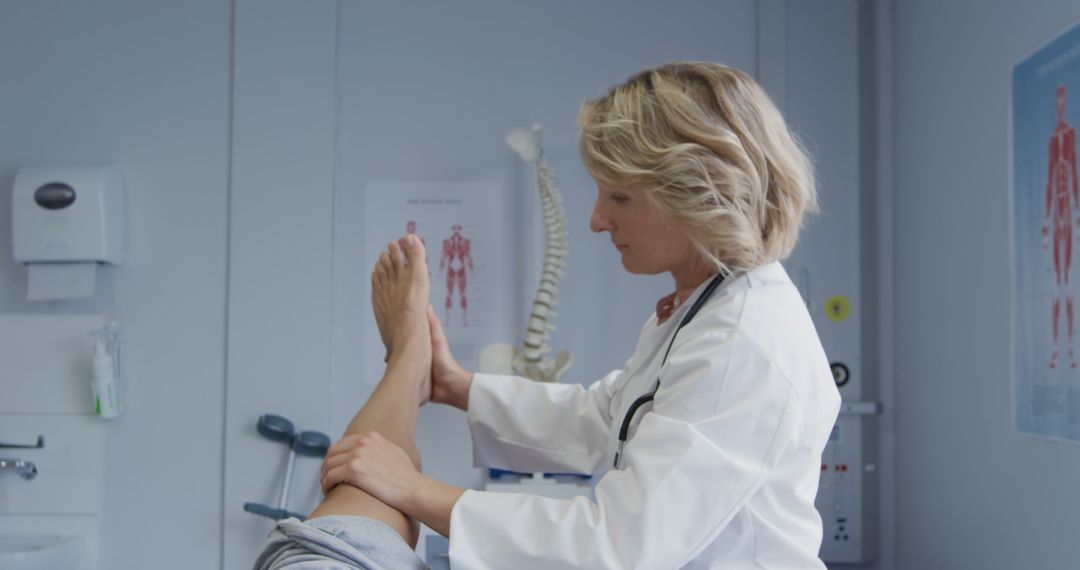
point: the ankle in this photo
(412, 342)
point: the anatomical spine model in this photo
(534, 360)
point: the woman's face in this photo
(649, 240)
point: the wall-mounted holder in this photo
(108, 370)
(66, 220)
(39, 445)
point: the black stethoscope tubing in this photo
(624, 430)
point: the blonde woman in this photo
(710, 437)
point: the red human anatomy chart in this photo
(456, 256)
(410, 227)
(1062, 207)
(388, 210)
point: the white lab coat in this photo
(720, 471)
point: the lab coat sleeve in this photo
(528, 426)
(720, 423)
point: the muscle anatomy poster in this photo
(462, 229)
(1046, 230)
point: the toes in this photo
(386, 265)
(414, 249)
(397, 258)
(380, 275)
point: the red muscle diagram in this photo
(456, 256)
(1062, 207)
(410, 227)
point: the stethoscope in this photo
(641, 401)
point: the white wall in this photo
(145, 85)
(280, 254)
(427, 92)
(157, 88)
(971, 492)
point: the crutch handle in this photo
(275, 428)
(270, 512)
(311, 444)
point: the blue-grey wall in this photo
(144, 85)
(237, 122)
(971, 492)
(426, 92)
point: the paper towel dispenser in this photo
(68, 214)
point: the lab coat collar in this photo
(769, 273)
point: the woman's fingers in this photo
(342, 448)
(338, 459)
(338, 475)
(344, 444)
(372, 463)
(336, 465)
(437, 337)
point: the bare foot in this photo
(380, 298)
(400, 289)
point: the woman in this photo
(698, 177)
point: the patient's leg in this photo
(400, 291)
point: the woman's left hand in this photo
(373, 464)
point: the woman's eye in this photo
(619, 198)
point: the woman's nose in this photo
(599, 222)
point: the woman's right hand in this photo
(450, 382)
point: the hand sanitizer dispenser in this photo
(65, 220)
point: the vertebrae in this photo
(535, 359)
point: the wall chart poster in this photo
(460, 226)
(1046, 236)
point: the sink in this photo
(39, 551)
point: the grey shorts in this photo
(337, 543)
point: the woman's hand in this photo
(381, 469)
(450, 382)
(373, 464)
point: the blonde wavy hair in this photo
(707, 145)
